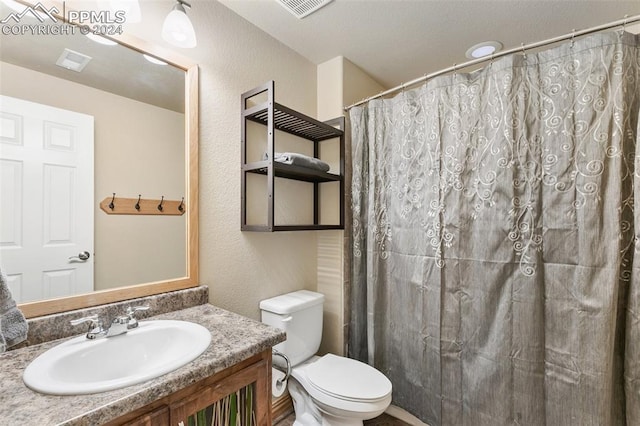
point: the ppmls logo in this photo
(38, 11)
(101, 22)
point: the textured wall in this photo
(234, 56)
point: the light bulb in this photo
(100, 39)
(154, 60)
(177, 28)
(483, 49)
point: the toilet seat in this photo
(347, 379)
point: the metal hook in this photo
(111, 204)
(137, 206)
(181, 206)
(160, 205)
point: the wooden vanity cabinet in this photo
(157, 417)
(175, 409)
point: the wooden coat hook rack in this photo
(142, 206)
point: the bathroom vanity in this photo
(175, 409)
(239, 355)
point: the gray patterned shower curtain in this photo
(495, 250)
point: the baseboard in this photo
(403, 415)
(281, 408)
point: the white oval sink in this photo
(82, 366)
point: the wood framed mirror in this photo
(189, 252)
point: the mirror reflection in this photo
(82, 120)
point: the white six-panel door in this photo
(46, 200)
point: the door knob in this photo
(82, 257)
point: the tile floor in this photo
(383, 420)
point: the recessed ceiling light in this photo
(483, 49)
(101, 40)
(154, 60)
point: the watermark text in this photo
(100, 22)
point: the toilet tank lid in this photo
(291, 302)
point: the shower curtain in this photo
(495, 252)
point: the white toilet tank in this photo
(299, 314)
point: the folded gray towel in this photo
(13, 326)
(301, 160)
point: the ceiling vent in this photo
(72, 60)
(302, 8)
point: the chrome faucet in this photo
(120, 325)
(95, 326)
(132, 320)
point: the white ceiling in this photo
(395, 41)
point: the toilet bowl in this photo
(338, 391)
(328, 390)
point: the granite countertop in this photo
(234, 338)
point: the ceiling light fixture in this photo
(483, 49)
(153, 60)
(102, 40)
(177, 28)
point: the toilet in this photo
(330, 389)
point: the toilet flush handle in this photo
(287, 319)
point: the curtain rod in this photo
(523, 48)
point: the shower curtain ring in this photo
(524, 52)
(573, 35)
(455, 71)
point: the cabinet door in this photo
(157, 417)
(188, 411)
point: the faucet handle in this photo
(95, 324)
(93, 319)
(131, 311)
(122, 319)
